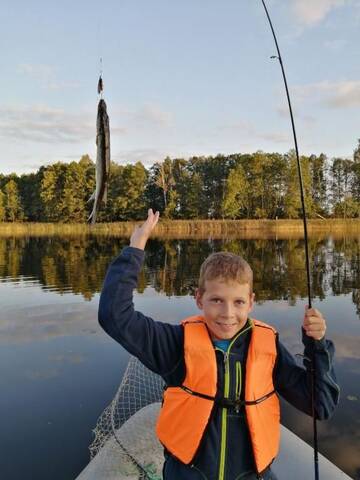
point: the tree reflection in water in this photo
(79, 263)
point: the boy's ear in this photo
(198, 299)
(252, 300)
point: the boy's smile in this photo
(225, 305)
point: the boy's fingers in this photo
(314, 328)
(156, 217)
(150, 215)
(314, 318)
(150, 222)
(312, 311)
(315, 322)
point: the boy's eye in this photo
(240, 302)
(216, 300)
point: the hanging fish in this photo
(102, 159)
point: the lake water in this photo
(59, 370)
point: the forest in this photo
(239, 186)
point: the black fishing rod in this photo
(313, 372)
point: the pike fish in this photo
(102, 160)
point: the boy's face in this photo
(225, 306)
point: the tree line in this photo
(238, 186)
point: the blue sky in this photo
(181, 78)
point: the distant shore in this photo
(192, 228)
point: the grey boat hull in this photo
(137, 435)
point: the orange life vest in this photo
(186, 409)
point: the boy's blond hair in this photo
(225, 266)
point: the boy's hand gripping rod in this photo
(313, 373)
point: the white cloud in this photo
(43, 124)
(146, 116)
(147, 156)
(46, 321)
(39, 71)
(250, 131)
(46, 75)
(311, 12)
(335, 44)
(342, 94)
(50, 134)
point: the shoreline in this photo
(195, 229)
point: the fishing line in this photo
(100, 86)
(313, 372)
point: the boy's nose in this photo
(228, 310)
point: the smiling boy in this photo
(225, 294)
(220, 418)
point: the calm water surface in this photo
(59, 370)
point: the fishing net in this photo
(125, 445)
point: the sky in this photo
(181, 78)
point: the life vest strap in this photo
(228, 402)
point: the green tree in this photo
(197, 202)
(341, 180)
(29, 191)
(72, 206)
(245, 163)
(51, 190)
(318, 183)
(355, 188)
(2, 206)
(13, 209)
(357, 153)
(115, 193)
(87, 167)
(336, 178)
(127, 192)
(187, 190)
(259, 183)
(154, 195)
(292, 200)
(212, 174)
(134, 183)
(265, 173)
(215, 173)
(236, 194)
(164, 179)
(347, 208)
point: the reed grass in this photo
(192, 228)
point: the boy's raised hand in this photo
(314, 323)
(141, 233)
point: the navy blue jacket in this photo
(159, 346)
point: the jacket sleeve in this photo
(158, 345)
(293, 382)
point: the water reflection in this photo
(50, 339)
(72, 264)
(78, 264)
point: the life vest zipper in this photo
(224, 417)
(224, 410)
(238, 385)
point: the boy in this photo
(220, 417)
